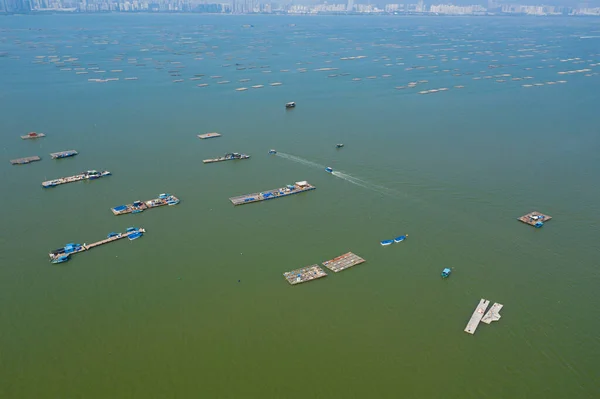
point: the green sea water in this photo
(198, 307)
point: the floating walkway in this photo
(209, 135)
(535, 219)
(33, 135)
(304, 274)
(139, 206)
(61, 255)
(89, 175)
(343, 262)
(63, 154)
(228, 157)
(477, 315)
(296, 188)
(23, 161)
(493, 314)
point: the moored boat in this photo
(446, 272)
(400, 238)
(387, 242)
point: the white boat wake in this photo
(341, 175)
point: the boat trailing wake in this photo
(341, 175)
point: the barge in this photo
(63, 154)
(298, 187)
(89, 175)
(209, 135)
(26, 160)
(63, 254)
(33, 135)
(477, 316)
(140, 206)
(228, 157)
(304, 274)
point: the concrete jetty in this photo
(493, 314)
(477, 315)
(23, 161)
(63, 154)
(343, 262)
(291, 189)
(89, 175)
(304, 274)
(209, 135)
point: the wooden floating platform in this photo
(227, 157)
(343, 262)
(493, 314)
(89, 175)
(139, 206)
(63, 154)
(33, 135)
(304, 274)
(209, 135)
(477, 315)
(23, 161)
(298, 187)
(534, 217)
(69, 249)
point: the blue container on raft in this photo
(446, 272)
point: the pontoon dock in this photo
(139, 206)
(23, 161)
(89, 175)
(63, 154)
(304, 274)
(298, 187)
(343, 262)
(33, 135)
(62, 254)
(476, 317)
(227, 157)
(535, 218)
(209, 135)
(493, 314)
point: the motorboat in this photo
(339, 145)
(446, 272)
(272, 151)
(291, 104)
(329, 169)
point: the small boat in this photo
(291, 104)
(328, 170)
(173, 202)
(446, 272)
(137, 210)
(387, 242)
(400, 238)
(111, 235)
(339, 145)
(135, 235)
(272, 152)
(61, 259)
(130, 229)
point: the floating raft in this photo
(89, 175)
(343, 262)
(23, 161)
(476, 317)
(298, 187)
(534, 219)
(493, 314)
(209, 135)
(33, 135)
(139, 206)
(304, 274)
(63, 254)
(63, 154)
(228, 157)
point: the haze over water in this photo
(198, 307)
